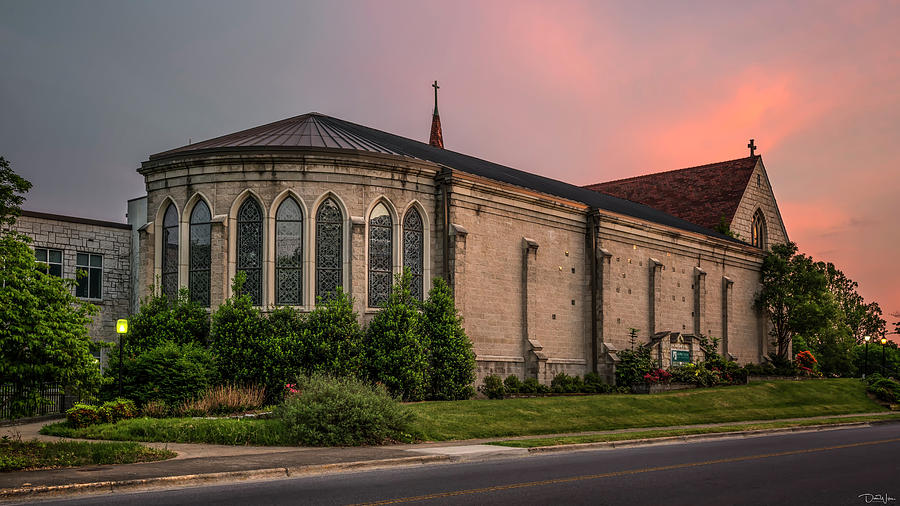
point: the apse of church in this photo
(548, 277)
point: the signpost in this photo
(681, 357)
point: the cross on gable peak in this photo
(752, 145)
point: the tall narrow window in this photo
(289, 253)
(381, 259)
(249, 248)
(200, 254)
(329, 248)
(89, 269)
(170, 253)
(758, 232)
(413, 250)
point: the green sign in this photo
(681, 357)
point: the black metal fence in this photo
(54, 393)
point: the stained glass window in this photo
(329, 248)
(249, 248)
(170, 253)
(413, 250)
(758, 230)
(200, 253)
(289, 253)
(381, 259)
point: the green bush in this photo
(170, 373)
(119, 409)
(81, 415)
(633, 365)
(343, 412)
(246, 349)
(513, 384)
(451, 358)
(885, 389)
(493, 387)
(594, 384)
(161, 320)
(533, 386)
(395, 347)
(562, 383)
(328, 340)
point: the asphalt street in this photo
(851, 466)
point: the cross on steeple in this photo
(435, 86)
(752, 146)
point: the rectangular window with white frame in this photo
(89, 269)
(51, 259)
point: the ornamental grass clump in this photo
(330, 411)
(225, 400)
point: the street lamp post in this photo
(121, 329)
(866, 368)
(883, 342)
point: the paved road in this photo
(830, 467)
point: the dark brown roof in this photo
(701, 195)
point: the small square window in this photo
(51, 259)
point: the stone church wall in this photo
(759, 195)
(75, 235)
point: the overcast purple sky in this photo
(582, 92)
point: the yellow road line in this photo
(622, 473)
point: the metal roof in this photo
(314, 130)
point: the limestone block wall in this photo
(759, 195)
(77, 235)
(356, 183)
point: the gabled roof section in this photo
(316, 130)
(304, 131)
(701, 195)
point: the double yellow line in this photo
(624, 473)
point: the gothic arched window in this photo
(413, 250)
(329, 248)
(200, 254)
(289, 253)
(170, 253)
(381, 258)
(249, 248)
(758, 230)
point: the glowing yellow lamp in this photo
(122, 326)
(883, 341)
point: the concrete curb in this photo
(626, 443)
(210, 478)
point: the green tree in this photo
(329, 340)
(12, 193)
(161, 320)
(794, 296)
(43, 330)
(451, 357)
(397, 355)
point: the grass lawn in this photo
(483, 418)
(17, 455)
(768, 400)
(649, 434)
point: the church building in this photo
(549, 277)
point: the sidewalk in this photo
(199, 463)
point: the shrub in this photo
(395, 347)
(533, 386)
(885, 389)
(806, 362)
(562, 383)
(513, 384)
(328, 340)
(633, 365)
(493, 387)
(594, 384)
(246, 350)
(170, 373)
(451, 358)
(155, 409)
(81, 415)
(343, 412)
(224, 400)
(656, 376)
(160, 320)
(119, 409)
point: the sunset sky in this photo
(582, 92)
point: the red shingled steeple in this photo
(437, 138)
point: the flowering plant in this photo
(806, 362)
(291, 389)
(657, 376)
